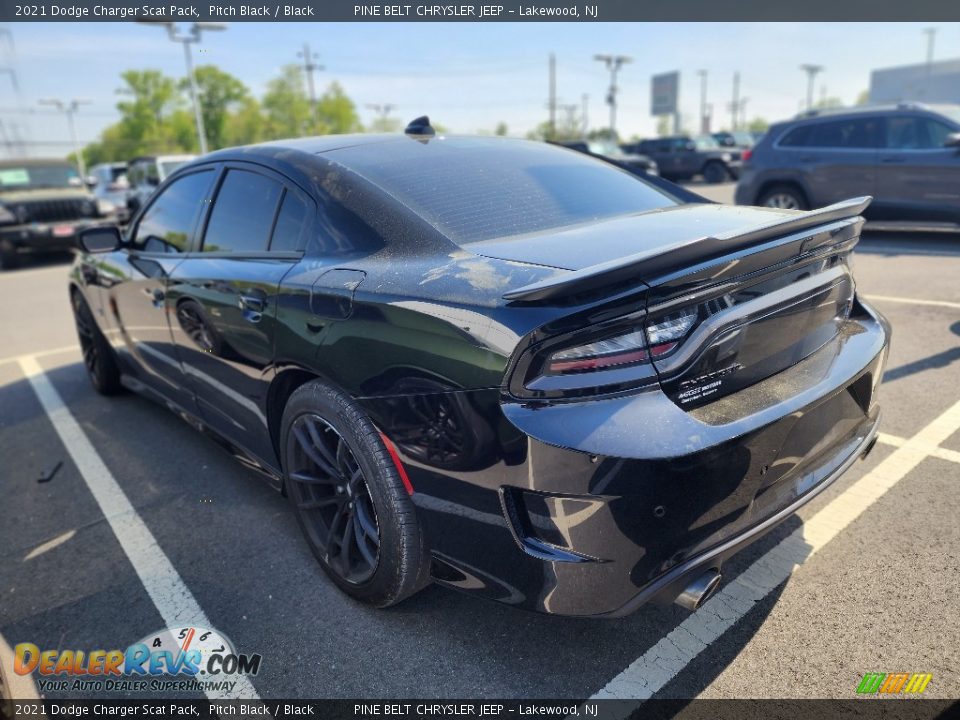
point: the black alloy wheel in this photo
(329, 487)
(351, 497)
(98, 356)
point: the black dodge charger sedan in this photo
(498, 365)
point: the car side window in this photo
(856, 133)
(168, 222)
(915, 133)
(292, 223)
(243, 213)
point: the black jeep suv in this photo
(682, 157)
(43, 204)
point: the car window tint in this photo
(167, 224)
(936, 133)
(491, 187)
(243, 213)
(848, 133)
(292, 222)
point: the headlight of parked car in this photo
(105, 207)
(726, 157)
(6, 216)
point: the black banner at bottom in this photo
(866, 708)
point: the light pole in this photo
(811, 71)
(931, 33)
(69, 108)
(187, 39)
(704, 122)
(613, 63)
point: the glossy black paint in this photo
(581, 494)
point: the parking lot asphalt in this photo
(873, 588)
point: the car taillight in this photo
(636, 346)
(747, 153)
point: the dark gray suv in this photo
(906, 156)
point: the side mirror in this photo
(90, 181)
(953, 140)
(103, 239)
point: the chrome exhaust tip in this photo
(697, 592)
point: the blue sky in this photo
(470, 76)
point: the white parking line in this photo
(40, 354)
(170, 595)
(938, 452)
(914, 301)
(662, 662)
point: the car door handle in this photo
(156, 296)
(256, 302)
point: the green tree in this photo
(220, 93)
(758, 125)
(382, 124)
(245, 125)
(287, 106)
(863, 98)
(501, 129)
(336, 111)
(664, 125)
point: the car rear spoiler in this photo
(631, 267)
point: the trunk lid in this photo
(757, 291)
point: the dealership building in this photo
(937, 82)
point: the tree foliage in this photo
(156, 116)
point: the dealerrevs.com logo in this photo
(198, 659)
(894, 683)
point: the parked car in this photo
(608, 150)
(737, 138)
(147, 172)
(683, 157)
(109, 182)
(493, 364)
(43, 204)
(906, 156)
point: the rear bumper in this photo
(595, 508)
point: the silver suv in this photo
(906, 156)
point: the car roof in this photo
(878, 108)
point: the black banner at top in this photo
(477, 10)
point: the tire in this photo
(8, 256)
(715, 172)
(349, 499)
(99, 358)
(787, 197)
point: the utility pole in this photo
(584, 101)
(552, 97)
(704, 118)
(69, 108)
(613, 63)
(309, 66)
(187, 40)
(931, 33)
(734, 105)
(812, 71)
(743, 112)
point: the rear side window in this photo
(292, 223)
(168, 223)
(480, 189)
(915, 133)
(243, 213)
(847, 133)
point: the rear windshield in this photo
(483, 188)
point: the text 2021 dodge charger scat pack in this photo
(498, 365)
